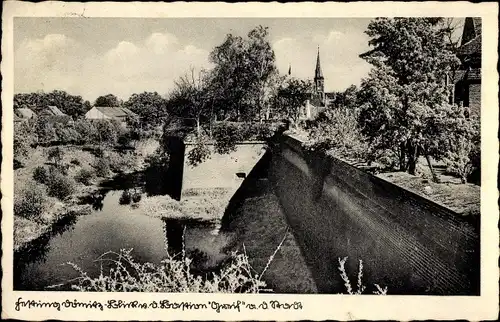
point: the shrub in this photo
(125, 198)
(75, 162)
(31, 202)
(119, 162)
(337, 131)
(59, 185)
(40, 174)
(85, 176)
(102, 167)
(226, 136)
(136, 197)
(55, 155)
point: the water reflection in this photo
(111, 227)
(37, 250)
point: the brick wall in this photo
(406, 242)
(475, 98)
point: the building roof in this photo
(471, 47)
(25, 113)
(115, 112)
(318, 74)
(54, 111)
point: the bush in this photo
(102, 167)
(120, 162)
(55, 155)
(85, 176)
(75, 162)
(40, 175)
(125, 198)
(59, 185)
(31, 202)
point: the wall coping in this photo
(237, 143)
(298, 141)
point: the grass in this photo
(197, 203)
(76, 158)
(360, 287)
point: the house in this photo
(53, 114)
(25, 113)
(120, 114)
(467, 79)
(51, 111)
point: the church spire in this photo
(318, 73)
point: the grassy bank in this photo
(81, 170)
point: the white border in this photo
(316, 307)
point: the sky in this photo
(96, 56)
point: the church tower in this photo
(319, 80)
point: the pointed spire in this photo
(289, 69)
(318, 73)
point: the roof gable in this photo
(115, 112)
(25, 113)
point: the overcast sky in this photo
(97, 56)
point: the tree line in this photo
(402, 110)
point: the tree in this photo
(108, 100)
(71, 105)
(150, 107)
(404, 97)
(291, 96)
(193, 98)
(244, 69)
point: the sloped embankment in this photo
(256, 222)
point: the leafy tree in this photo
(108, 100)
(404, 97)
(243, 72)
(71, 105)
(193, 98)
(291, 96)
(337, 131)
(150, 107)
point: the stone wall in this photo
(406, 242)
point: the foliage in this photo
(44, 130)
(31, 202)
(199, 153)
(55, 154)
(170, 276)
(336, 130)
(59, 185)
(107, 131)
(226, 136)
(85, 176)
(403, 99)
(463, 154)
(125, 198)
(41, 174)
(71, 105)
(360, 288)
(119, 162)
(243, 75)
(150, 107)
(291, 95)
(108, 100)
(75, 162)
(102, 167)
(23, 138)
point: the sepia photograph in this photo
(261, 155)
